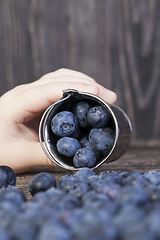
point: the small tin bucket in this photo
(119, 122)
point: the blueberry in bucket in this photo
(64, 124)
(81, 109)
(68, 146)
(102, 139)
(98, 116)
(84, 157)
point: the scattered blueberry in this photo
(73, 185)
(84, 173)
(84, 157)
(84, 205)
(7, 176)
(5, 235)
(68, 146)
(41, 182)
(13, 194)
(98, 116)
(153, 176)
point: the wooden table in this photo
(142, 156)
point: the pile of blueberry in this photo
(84, 133)
(84, 205)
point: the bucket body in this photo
(119, 122)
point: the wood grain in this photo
(117, 42)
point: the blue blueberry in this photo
(84, 138)
(23, 230)
(64, 124)
(133, 194)
(102, 139)
(153, 221)
(13, 194)
(8, 206)
(53, 230)
(7, 176)
(136, 178)
(90, 197)
(153, 176)
(88, 144)
(45, 197)
(98, 116)
(81, 109)
(84, 173)
(73, 185)
(68, 202)
(41, 182)
(68, 146)
(84, 157)
(130, 220)
(95, 230)
(5, 235)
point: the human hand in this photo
(22, 107)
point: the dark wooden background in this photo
(117, 42)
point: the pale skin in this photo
(22, 107)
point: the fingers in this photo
(66, 72)
(38, 99)
(107, 95)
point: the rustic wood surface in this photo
(143, 156)
(117, 42)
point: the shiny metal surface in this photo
(119, 121)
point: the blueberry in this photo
(68, 202)
(95, 230)
(98, 116)
(135, 195)
(41, 182)
(68, 146)
(5, 235)
(84, 173)
(64, 124)
(84, 138)
(45, 197)
(136, 178)
(153, 221)
(102, 139)
(88, 144)
(81, 109)
(153, 176)
(84, 157)
(92, 196)
(7, 176)
(52, 231)
(13, 194)
(131, 222)
(110, 177)
(72, 185)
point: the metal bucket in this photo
(119, 122)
